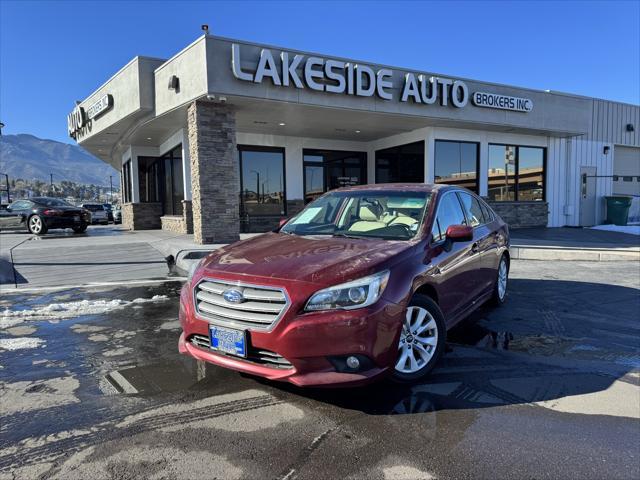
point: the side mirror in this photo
(460, 233)
(282, 222)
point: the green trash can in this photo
(618, 210)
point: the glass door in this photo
(326, 170)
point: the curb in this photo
(576, 255)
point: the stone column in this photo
(215, 179)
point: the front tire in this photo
(502, 282)
(80, 229)
(422, 340)
(36, 225)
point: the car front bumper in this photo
(65, 222)
(314, 344)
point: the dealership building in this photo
(229, 136)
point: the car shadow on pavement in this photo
(552, 340)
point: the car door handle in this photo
(475, 248)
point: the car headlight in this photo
(347, 296)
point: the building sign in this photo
(336, 76)
(502, 102)
(79, 121)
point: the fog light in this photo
(353, 362)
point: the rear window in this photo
(93, 208)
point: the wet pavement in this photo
(547, 386)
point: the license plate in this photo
(228, 340)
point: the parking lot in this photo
(92, 386)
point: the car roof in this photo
(399, 187)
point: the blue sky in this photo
(53, 53)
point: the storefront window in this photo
(456, 163)
(326, 170)
(262, 181)
(149, 176)
(516, 173)
(404, 163)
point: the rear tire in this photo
(422, 340)
(502, 282)
(36, 225)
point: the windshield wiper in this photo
(344, 235)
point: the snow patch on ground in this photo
(56, 311)
(630, 229)
(20, 343)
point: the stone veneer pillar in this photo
(215, 180)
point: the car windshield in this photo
(52, 202)
(377, 214)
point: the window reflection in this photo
(404, 164)
(516, 173)
(456, 163)
(262, 181)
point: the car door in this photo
(483, 243)
(12, 216)
(454, 263)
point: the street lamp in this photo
(1, 127)
(111, 188)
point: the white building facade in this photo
(229, 136)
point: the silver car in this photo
(98, 213)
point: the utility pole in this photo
(111, 189)
(51, 182)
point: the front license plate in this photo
(228, 340)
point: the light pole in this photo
(111, 188)
(257, 185)
(1, 127)
(51, 182)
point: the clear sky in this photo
(53, 53)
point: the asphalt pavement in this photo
(547, 386)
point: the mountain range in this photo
(28, 157)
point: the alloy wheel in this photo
(502, 279)
(35, 224)
(418, 340)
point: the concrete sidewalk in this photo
(580, 244)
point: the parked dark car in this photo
(364, 282)
(39, 214)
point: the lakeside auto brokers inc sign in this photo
(79, 120)
(335, 76)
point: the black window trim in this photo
(517, 160)
(262, 148)
(477, 144)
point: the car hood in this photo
(321, 260)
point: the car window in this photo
(21, 205)
(93, 207)
(472, 209)
(449, 213)
(487, 212)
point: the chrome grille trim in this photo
(265, 358)
(261, 309)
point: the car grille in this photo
(260, 309)
(265, 358)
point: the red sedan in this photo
(364, 282)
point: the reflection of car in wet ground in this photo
(365, 281)
(39, 214)
(98, 213)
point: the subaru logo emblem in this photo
(233, 296)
